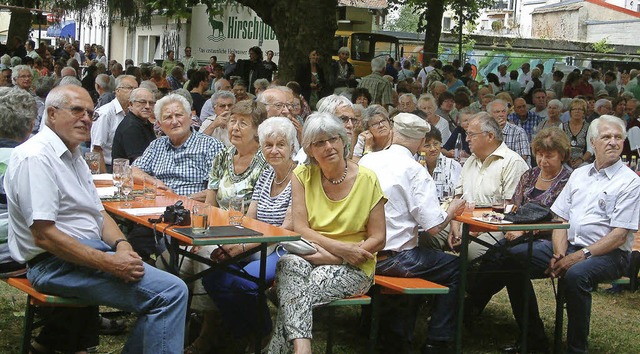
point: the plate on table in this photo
(492, 221)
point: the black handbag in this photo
(529, 213)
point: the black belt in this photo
(39, 258)
(382, 255)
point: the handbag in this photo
(301, 247)
(529, 213)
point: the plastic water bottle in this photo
(458, 148)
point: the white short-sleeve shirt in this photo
(411, 192)
(595, 202)
(104, 128)
(46, 181)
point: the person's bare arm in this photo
(211, 197)
(456, 207)
(103, 166)
(139, 176)
(560, 265)
(350, 252)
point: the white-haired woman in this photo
(554, 110)
(377, 132)
(427, 104)
(236, 297)
(332, 196)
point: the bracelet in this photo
(115, 245)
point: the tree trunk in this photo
(300, 26)
(433, 18)
(20, 25)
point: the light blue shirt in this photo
(595, 202)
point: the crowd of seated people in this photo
(356, 169)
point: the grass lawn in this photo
(615, 324)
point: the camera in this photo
(176, 214)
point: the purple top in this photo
(524, 190)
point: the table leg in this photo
(464, 252)
(262, 287)
(557, 334)
(174, 255)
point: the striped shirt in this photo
(184, 168)
(271, 210)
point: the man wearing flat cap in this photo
(413, 203)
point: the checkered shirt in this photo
(185, 168)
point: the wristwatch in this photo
(115, 245)
(587, 253)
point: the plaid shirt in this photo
(185, 168)
(528, 125)
(516, 139)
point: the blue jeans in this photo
(498, 270)
(577, 284)
(435, 266)
(237, 297)
(159, 298)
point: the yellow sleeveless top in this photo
(346, 219)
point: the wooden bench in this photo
(384, 285)
(360, 300)
(35, 299)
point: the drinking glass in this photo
(127, 185)
(119, 167)
(199, 218)
(93, 160)
(236, 210)
(497, 204)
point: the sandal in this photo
(111, 326)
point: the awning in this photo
(64, 29)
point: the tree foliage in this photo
(407, 20)
(430, 13)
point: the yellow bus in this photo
(365, 46)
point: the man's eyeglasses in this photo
(79, 112)
(145, 102)
(228, 105)
(471, 135)
(346, 119)
(280, 105)
(125, 87)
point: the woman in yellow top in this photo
(331, 197)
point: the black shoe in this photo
(438, 347)
(516, 349)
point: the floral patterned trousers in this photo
(303, 286)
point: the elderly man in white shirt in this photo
(413, 203)
(601, 202)
(492, 170)
(108, 117)
(73, 248)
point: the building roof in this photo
(366, 4)
(567, 3)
